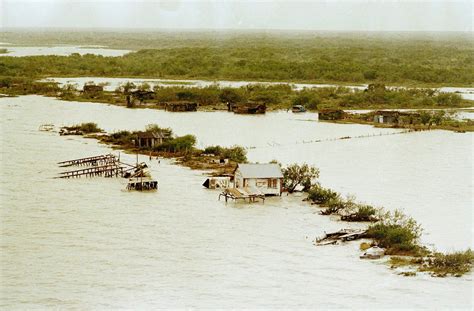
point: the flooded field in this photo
(65, 50)
(113, 83)
(87, 243)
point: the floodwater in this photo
(64, 50)
(88, 244)
(113, 83)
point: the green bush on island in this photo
(178, 144)
(236, 153)
(123, 138)
(455, 263)
(86, 128)
(364, 212)
(320, 195)
(396, 232)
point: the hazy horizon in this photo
(196, 15)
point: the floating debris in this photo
(64, 131)
(343, 235)
(47, 127)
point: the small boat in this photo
(298, 108)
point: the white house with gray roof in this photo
(266, 178)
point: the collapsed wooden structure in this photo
(108, 165)
(93, 161)
(343, 235)
(246, 193)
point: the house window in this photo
(272, 183)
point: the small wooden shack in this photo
(266, 178)
(181, 106)
(149, 139)
(331, 114)
(386, 117)
(394, 117)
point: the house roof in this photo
(269, 170)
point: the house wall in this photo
(261, 184)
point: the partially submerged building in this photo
(149, 139)
(220, 182)
(394, 117)
(266, 178)
(248, 108)
(386, 117)
(331, 114)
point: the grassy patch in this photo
(456, 263)
(396, 232)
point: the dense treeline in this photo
(277, 96)
(306, 57)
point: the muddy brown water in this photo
(88, 244)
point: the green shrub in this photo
(235, 153)
(396, 232)
(179, 144)
(90, 127)
(122, 138)
(456, 263)
(365, 211)
(295, 174)
(320, 195)
(215, 150)
(334, 206)
(85, 128)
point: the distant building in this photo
(394, 117)
(248, 108)
(331, 114)
(266, 178)
(149, 139)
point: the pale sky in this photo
(333, 15)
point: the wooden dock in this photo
(112, 170)
(242, 194)
(90, 161)
(108, 165)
